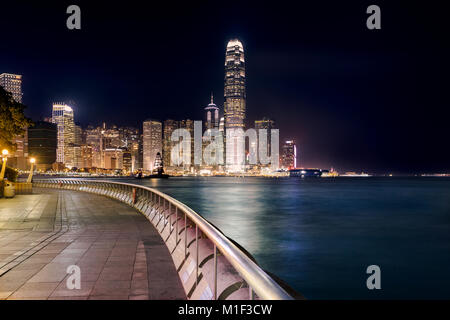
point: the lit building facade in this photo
(188, 124)
(13, 84)
(266, 124)
(169, 127)
(86, 156)
(235, 96)
(211, 115)
(289, 155)
(234, 105)
(62, 115)
(152, 142)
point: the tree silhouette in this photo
(12, 120)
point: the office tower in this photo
(19, 157)
(73, 156)
(62, 115)
(222, 125)
(78, 135)
(289, 155)
(152, 142)
(113, 158)
(188, 124)
(13, 84)
(169, 127)
(268, 125)
(42, 144)
(127, 135)
(234, 106)
(136, 155)
(86, 156)
(111, 137)
(94, 139)
(211, 115)
(127, 161)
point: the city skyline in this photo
(351, 99)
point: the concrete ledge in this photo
(23, 187)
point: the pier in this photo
(120, 254)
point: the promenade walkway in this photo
(120, 254)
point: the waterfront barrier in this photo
(210, 265)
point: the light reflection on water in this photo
(320, 235)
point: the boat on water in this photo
(158, 170)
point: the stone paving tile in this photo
(120, 254)
(34, 290)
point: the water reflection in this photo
(320, 235)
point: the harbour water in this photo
(320, 235)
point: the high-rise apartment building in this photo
(62, 115)
(235, 96)
(152, 142)
(12, 83)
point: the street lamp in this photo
(30, 176)
(4, 157)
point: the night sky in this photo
(353, 98)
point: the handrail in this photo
(259, 281)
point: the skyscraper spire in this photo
(212, 98)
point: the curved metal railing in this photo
(142, 198)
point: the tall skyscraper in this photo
(62, 115)
(211, 115)
(289, 155)
(152, 142)
(169, 127)
(12, 83)
(188, 124)
(267, 124)
(235, 96)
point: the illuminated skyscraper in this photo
(152, 142)
(12, 83)
(211, 115)
(268, 125)
(62, 115)
(169, 127)
(234, 106)
(289, 155)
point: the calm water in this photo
(320, 235)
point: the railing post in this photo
(170, 218)
(196, 255)
(215, 272)
(176, 226)
(185, 236)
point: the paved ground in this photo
(120, 254)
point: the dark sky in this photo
(352, 98)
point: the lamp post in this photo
(4, 157)
(30, 176)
